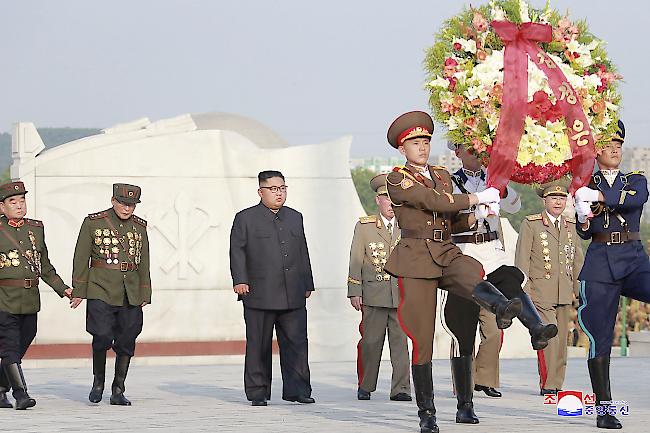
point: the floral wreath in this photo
(542, 115)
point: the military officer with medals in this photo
(374, 292)
(111, 271)
(549, 253)
(24, 261)
(609, 214)
(425, 259)
(485, 245)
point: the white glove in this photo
(583, 209)
(481, 212)
(490, 195)
(587, 194)
(493, 208)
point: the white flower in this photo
(452, 124)
(496, 12)
(611, 106)
(439, 82)
(592, 81)
(467, 45)
(480, 92)
(523, 11)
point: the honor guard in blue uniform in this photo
(609, 213)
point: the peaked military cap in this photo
(557, 187)
(414, 124)
(125, 193)
(11, 189)
(378, 184)
(619, 135)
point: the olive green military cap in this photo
(125, 193)
(11, 189)
(378, 184)
(413, 124)
(557, 187)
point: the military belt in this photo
(437, 235)
(122, 266)
(25, 284)
(476, 238)
(615, 237)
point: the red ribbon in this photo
(520, 43)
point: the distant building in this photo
(385, 164)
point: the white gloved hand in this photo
(494, 208)
(583, 209)
(587, 194)
(481, 212)
(490, 195)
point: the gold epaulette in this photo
(438, 167)
(571, 220)
(535, 217)
(641, 172)
(368, 219)
(98, 215)
(140, 220)
(35, 223)
(353, 281)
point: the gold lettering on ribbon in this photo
(581, 132)
(567, 93)
(543, 59)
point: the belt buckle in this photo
(615, 238)
(27, 284)
(124, 266)
(479, 238)
(437, 235)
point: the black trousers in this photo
(113, 327)
(291, 330)
(17, 331)
(461, 315)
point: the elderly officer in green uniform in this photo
(111, 271)
(23, 261)
(549, 253)
(376, 294)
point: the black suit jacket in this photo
(268, 251)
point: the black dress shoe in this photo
(362, 394)
(547, 391)
(300, 399)
(608, 421)
(488, 390)
(401, 396)
(258, 402)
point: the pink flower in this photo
(479, 22)
(481, 55)
(598, 107)
(446, 107)
(478, 145)
(449, 61)
(563, 23)
(452, 83)
(457, 46)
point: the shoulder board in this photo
(641, 172)
(98, 215)
(398, 168)
(140, 220)
(438, 167)
(571, 220)
(368, 219)
(536, 217)
(36, 223)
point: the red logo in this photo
(589, 399)
(550, 399)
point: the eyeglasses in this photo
(275, 189)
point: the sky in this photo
(311, 71)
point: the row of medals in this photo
(569, 251)
(12, 258)
(108, 242)
(379, 254)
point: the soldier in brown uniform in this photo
(111, 270)
(425, 259)
(375, 294)
(23, 262)
(549, 253)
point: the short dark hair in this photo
(265, 175)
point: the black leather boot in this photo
(4, 389)
(462, 372)
(423, 385)
(539, 332)
(117, 389)
(490, 298)
(99, 376)
(15, 375)
(599, 374)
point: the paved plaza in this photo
(206, 395)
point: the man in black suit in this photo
(271, 273)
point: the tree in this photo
(361, 178)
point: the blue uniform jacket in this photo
(609, 263)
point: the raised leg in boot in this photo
(599, 374)
(489, 297)
(423, 385)
(17, 381)
(539, 331)
(4, 389)
(99, 376)
(462, 373)
(117, 389)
